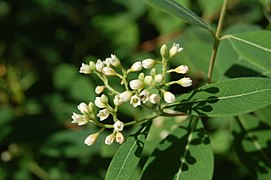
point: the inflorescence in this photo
(147, 89)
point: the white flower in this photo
(185, 82)
(101, 102)
(158, 78)
(83, 108)
(136, 84)
(91, 139)
(87, 69)
(148, 80)
(119, 138)
(118, 126)
(125, 96)
(99, 89)
(108, 71)
(135, 100)
(103, 114)
(175, 49)
(169, 97)
(148, 63)
(155, 98)
(99, 65)
(164, 51)
(109, 139)
(117, 100)
(137, 66)
(144, 96)
(182, 69)
(80, 119)
(114, 60)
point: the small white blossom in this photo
(118, 125)
(135, 100)
(117, 100)
(99, 65)
(155, 98)
(101, 102)
(148, 63)
(109, 139)
(144, 96)
(91, 139)
(126, 96)
(182, 69)
(119, 138)
(136, 84)
(80, 119)
(103, 114)
(99, 89)
(86, 69)
(185, 82)
(158, 78)
(169, 97)
(83, 108)
(137, 66)
(175, 49)
(114, 60)
(108, 71)
(148, 80)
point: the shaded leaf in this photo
(254, 47)
(228, 97)
(252, 144)
(176, 9)
(128, 155)
(184, 154)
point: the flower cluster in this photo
(149, 89)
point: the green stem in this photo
(217, 40)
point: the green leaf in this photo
(228, 97)
(184, 154)
(176, 9)
(128, 155)
(252, 144)
(254, 47)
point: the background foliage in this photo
(43, 43)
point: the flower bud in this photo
(83, 108)
(117, 100)
(119, 138)
(99, 65)
(135, 100)
(175, 49)
(114, 60)
(108, 71)
(148, 80)
(158, 78)
(169, 97)
(182, 69)
(91, 139)
(155, 98)
(148, 63)
(103, 114)
(185, 82)
(164, 51)
(136, 84)
(99, 89)
(118, 126)
(125, 96)
(137, 66)
(109, 139)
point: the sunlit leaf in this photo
(254, 47)
(252, 144)
(176, 9)
(184, 154)
(228, 97)
(128, 155)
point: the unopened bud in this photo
(119, 138)
(155, 98)
(148, 63)
(169, 97)
(91, 139)
(185, 82)
(164, 51)
(136, 84)
(137, 66)
(109, 139)
(99, 89)
(108, 71)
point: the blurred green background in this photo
(42, 45)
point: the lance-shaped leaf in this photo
(128, 155)
(252, 144)
(254, 47)
(185, 153)
(176, 9)
(228, 97)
